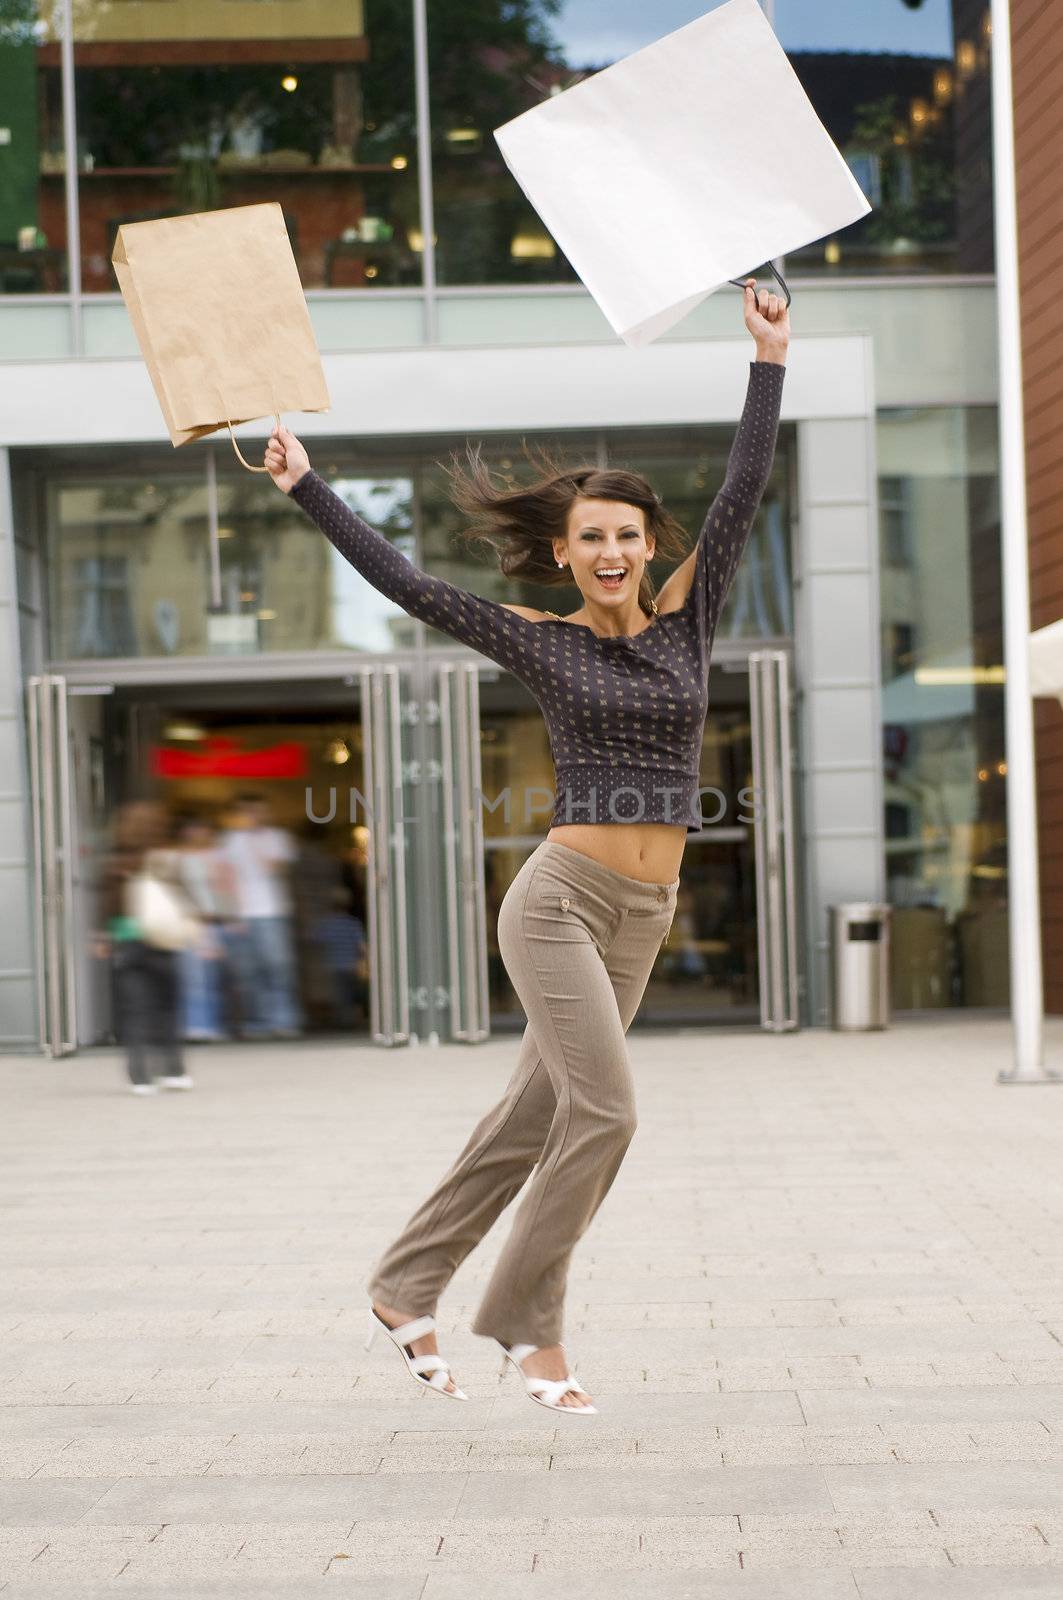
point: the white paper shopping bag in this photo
(682, 166)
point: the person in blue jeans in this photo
(202, 874)
(259, 938)
(340, 936)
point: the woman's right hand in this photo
(285, 459)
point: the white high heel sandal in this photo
(545, 1391)
(431, 1372)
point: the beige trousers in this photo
(578, 940)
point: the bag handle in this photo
(740, 283)
(236, 447)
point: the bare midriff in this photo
(649, 851)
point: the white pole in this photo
(1024, 912)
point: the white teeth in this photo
(610, 572)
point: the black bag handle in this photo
(740, 283)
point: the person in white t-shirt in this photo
(260, 934)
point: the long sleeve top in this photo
(625, 714)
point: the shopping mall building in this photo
(172, 626)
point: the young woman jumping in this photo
(623, 685)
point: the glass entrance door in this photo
(770, 726)
(730, 956)
(388, 887)
(53, 862)
(70, 807)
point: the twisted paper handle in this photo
(236, 447)
(740, 283)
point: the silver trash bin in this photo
(860, 966)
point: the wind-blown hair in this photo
(519, 522)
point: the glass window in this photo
(294, 588)
(191, 105)
(904, 91)
(943, 706)
(131, 571)
(32, 203)
(685, 466)
(124, 563)
(489, 62)
(447, 557)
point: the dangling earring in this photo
(560, 563)
(653, 606)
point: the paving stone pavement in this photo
(821, 1312)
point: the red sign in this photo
(224, 758)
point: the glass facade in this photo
(943, 706)
(134, 569)
(686, 466)
(190, 105)
(33, 252)
(904, 91)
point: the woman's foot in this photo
(550, 1362)
(427, 1346)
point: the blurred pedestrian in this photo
(260, 936)
(340, 937)
(201, 966)
(140, 871)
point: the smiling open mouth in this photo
(611, 578)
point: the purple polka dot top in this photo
(625, 715)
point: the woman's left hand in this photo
(768, 320)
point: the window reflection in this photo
(32, 212)
(490, 62)
(904, 91)
(687, 466)
(123, 561)
(133, 572)
(279, 569)
(943, 707)
(504, 456)
(189, 105)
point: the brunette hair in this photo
(520, 522)
(140, 826)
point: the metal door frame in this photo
(387, 932)
(773, 839)
(54, 843)
(463, 850)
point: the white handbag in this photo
(161, 913)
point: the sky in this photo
(597, 31)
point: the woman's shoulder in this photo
(532, 613)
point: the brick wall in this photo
(1037, 45)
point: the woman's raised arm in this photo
(486, 625)
(725, 531)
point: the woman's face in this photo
(606, 535)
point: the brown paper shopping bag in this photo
(220, 317)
